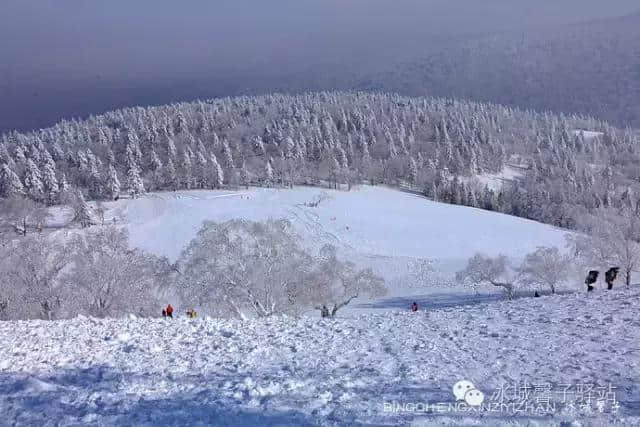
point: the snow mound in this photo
(372, 369)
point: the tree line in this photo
(236, 269)
(564, 166)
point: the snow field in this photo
(310, 371)
(375, 227)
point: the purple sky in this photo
(68, 58)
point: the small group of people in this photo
(609, 277)
(168, 312)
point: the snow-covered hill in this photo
(547, 360)
(386, 229)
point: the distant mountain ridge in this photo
(591, 68)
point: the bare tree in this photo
(81, 211)
(109, 279)
(8, 291)
(335, 283)
(545, 267)
(19, 212)
(100, 209)
(482, 269)
(421, 272)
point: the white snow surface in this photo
(495, 181)
(376, 227)
(588, 134)
(311, 371)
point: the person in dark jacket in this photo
(324, 312)
(164, 312)
(610, 276)
(592, 277)
(414, 306)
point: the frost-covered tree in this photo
(20, 213)
(201, 173)
(217, 175)
(109, 279)
(332, 138)
(170, 177)
(413, 171)
(186, 170)
(335, 283)
(135, 185)
(547, 267)
(244, 268)
(612, 239)
(64, 184)
(49, 179)
(33, 180)
(10, 184)
(82, 212)
(268, 174)
(244, 175)
(482, 269)
(155, 166)
(113, 183)
(36, 263)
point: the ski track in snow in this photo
(310, 371)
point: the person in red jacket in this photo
(170, 311)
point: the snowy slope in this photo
(379, 227)
(310, 371)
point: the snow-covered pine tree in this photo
(186, 170)
(413, 171)
(201, 170)
(18, 155)
(33, 181)
(82, 210)
(49, 179)
(170, 177)
(94, 177)
(217, 175)
(171, 149)
(135, 185)
(155, 166)
(244, 175)
(268, 174)
(10, 184)
(5, 157)
(113, 183)
(64, 184)
(227, 158)
(258, 146)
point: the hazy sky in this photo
(65, 58)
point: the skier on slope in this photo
(414, 307)
(170, 311)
